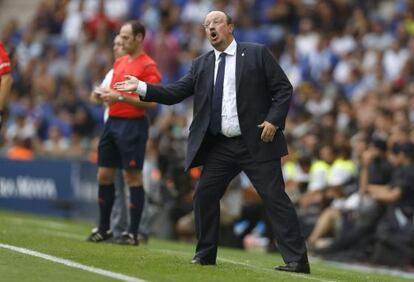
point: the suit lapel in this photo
(239, 65)
(209, 73)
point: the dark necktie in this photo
(216, 103)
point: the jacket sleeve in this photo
(172, 93)
(279, 87)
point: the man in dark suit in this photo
(241, 99)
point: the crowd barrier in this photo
(61, 188)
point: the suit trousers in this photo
(225, 158)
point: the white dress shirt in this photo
(106, 83)
(230, 126)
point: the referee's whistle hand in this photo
(99, 90)
(130, 84)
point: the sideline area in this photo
(64, 254)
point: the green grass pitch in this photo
(158, 261)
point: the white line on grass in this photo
(53, 226)
(73, 264)
(304, 276)
(43, 222)
(49, 227)
(372, 269)
(73, 236)
(63, 234)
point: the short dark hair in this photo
(229, 19)
(137, 27)
(379, 143)
(408, 150)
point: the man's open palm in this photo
(130, 84)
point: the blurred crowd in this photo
(350, 127)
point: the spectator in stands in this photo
(20, 150)
(28, 49)
(195, 10)
(56, 146)
(77, 147)
(72, 25)
(168, 61)
(395, 232)
(296, 175)
(358, 214)
(101, 20)
(318, 178)
(22, 127)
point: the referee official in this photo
(119, 214)
(123, 140)
(6, 81)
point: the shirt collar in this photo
(230, 50)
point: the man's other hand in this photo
(269, 131)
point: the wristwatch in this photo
(121, 98)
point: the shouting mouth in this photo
(213, 35)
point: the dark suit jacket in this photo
(263, 93)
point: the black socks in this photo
(106, 197)
(136, 205)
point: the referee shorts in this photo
(122, 143)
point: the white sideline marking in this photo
(63, 234)
(73, 264)
(44, 223)
(304, 276)
(373, 269)
(53, 225)
(73, 236)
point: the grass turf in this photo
(158, 261)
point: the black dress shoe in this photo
(299, 267)
(198, 260)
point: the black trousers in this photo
(225, 159)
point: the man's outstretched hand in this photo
(130, 84)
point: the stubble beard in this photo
(217, 44)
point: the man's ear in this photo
(139, 37)
(231, 27)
